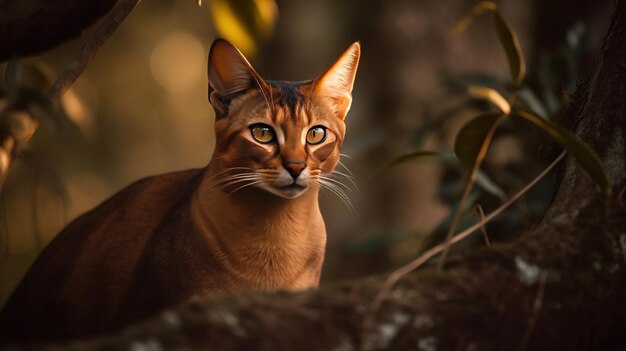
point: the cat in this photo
(248, 221)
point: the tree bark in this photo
(560, 286)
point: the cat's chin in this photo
(286, 192)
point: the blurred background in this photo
(141, 109)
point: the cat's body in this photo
(159, 259)
(248, 221)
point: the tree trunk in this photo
(560, 286)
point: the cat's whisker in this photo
(346, 156)
(247, 185)
(342, 198)
(347, 176)
(218, 174)
(338, 182)
(229, 179)
(233, 177)
(247, 176)
(346, 168)
(339, 192)
(343, 174)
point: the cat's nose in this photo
(294, 168)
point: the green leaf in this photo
(488, 185)
(506, 35)
(530, 99)
(476, 11)
(511, 46)
(244, 22)
(473, 139)
(411, 156)
(583, 154)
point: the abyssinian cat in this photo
(248, 221)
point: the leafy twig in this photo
(402, 271)
(480, 156)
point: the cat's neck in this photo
(252, 223)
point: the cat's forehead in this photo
(285, 104)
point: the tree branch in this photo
(90, 47)
(17, 125)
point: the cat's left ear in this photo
(230, 75)
(335, 86)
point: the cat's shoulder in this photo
(173, 183)
(156, 189)
(142, 201)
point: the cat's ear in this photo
(335, 86)
(230, 74)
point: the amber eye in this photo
(262, 133)
(316, 135)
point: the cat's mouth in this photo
(290, 191)
(286, 186)
(293, 185)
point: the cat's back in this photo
(88, 266)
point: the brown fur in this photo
(169, 238)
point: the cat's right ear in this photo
(230, 74)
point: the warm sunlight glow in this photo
(177, 62)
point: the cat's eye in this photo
(316, 135)
(262, 133)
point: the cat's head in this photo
(277, 136)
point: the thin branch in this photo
(90, 47)
(481, 213)
(468, 189)
(402, 271)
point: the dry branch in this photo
(90, 47)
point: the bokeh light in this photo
(178, 61)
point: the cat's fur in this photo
(248, 221)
